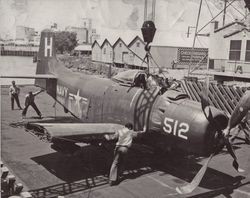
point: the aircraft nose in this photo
(185, 125)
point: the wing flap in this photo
(76, 131)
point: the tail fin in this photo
(46, 53)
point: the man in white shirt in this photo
(125, 137)
(14, 93)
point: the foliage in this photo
(65, 41)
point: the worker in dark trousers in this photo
(125, 137)
(14, 95)
(30, 101)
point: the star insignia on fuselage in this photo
(78, 100)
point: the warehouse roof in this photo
(83, 48)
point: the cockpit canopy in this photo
(131, 78)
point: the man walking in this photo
(125, 137)
(30, 101)
(14, 93)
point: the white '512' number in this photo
(175, 127)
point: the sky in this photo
(111, 18)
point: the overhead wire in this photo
(215, 17)
(238, 10)
(245, 16)
(209, 9)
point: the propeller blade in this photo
(205, 107)
(239, 112)
(204, 99)
(196, 180)
(232, 153)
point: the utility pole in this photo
(195, 35)
(224, 12)
(188, 32)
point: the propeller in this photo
(222, 138)
(239, 112)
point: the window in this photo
(138, 44)
(120, 44)
(235, 47)
(247, 57)
(104, 51)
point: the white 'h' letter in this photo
(48, 47)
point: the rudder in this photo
(45, 55)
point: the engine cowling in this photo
(182, 123)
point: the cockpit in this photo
(132, 78)
(139, 78)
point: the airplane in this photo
(106, 105)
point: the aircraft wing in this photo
(36, 76)
(77, 132)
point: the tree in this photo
(65, 41)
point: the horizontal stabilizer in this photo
(36, 76)
(75, 131)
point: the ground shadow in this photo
(226, 191)
(89, 169)
(48, 119)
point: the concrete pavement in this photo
(46, 173)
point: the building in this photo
(177, 57)
(81, 34)
(174, 50)
(163, 56)
(229, 47)
(121, 53)
(107, 53)
(96, 52)
(137, 52)
(25, 33)
(83, 50)
(36, 39)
